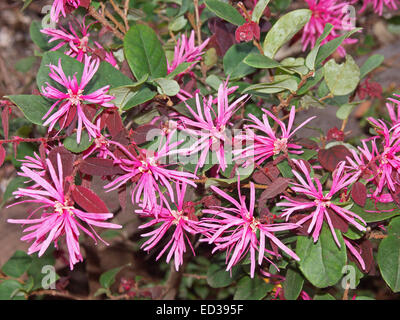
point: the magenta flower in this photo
(360, 165)
(186, 51)
(148, 169)
(352, 247)
(73, 100)
(59, 8)
(379, 4)
(320, 203)
(262, 147)
(78, 44)
(209, 126)
(394, 116)
(59, 217)
(182, 220)
(235, 230)
(323, 12)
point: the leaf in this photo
(13, 185)
(40, 39)
(275, 188)
(225, 11)
(177, 24)
(325, 296)
(88, 200)
(144, 52)
(312, 56)
(389, 256)
(329, 158)
(281, 83)
(257, 60)
(114, 123)
(284, 29)
(36, 269)
(100, 167)
(17, 265)
(258, 10)
(342, 78)
(140, 96)
(71, 144)
(372, 63)
(252, 289)
(322, 262)
(330, 47)
(359, 193)
(374, 212)
(344, 110)
(293, 284)
(33, 107)
(8, 288)
(168, 87)
(234, 65)
(218, 277)
(108, 278)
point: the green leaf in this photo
(33, 107)
(140, 96)
(389, 256)
(344, 110)
(257, 60)
(374, 212)
(218, 277)
(330, 47)
(281, 83)
(342, 78)
(312, 56)
(36, 270)
(225, 11)
(13, 185)
(40, 39)
(177, 24)
(322, 262)
(258, 10)
(8, 288)
(108, 278)
(179, 69)
(168, 87)
(234, 65)
(252, 289)
(71, 144)
(325, 296)
(293, 284)
(372, 63)
(144, 52)
(17, 264)
(284, 29)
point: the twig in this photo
(99, 17)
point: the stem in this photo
(100, 18)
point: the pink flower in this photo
(394, 116)
(182, 220)
(59, 216)
(59, 6)
(320, 203)
(235, 230)
(186, 51)
(362, 165)
(148, 169)
(210, 124)
(78, 44)
(323, 12)
(73, 99)
(106, 55)
(379, 4)
(352, 247)
(267, 145)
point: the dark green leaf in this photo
(108, 278)
(293, 284)
(252, 289)
(17, 264)
(71, 144)
(234, 65)
(225, 11)
(33, 107)
(218, 277)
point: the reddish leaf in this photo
(2, 155)
(276, 187)
(67, 119)
(211, 201)
(4, 120)
(223, 35)
(122, 196)
(307, 143)
(364, 247)
(139, 135)
(88, 200)
(100, 167)
(67, 160)
(270, 172)
(337, 221)
(329, 158)
(114, 123)
(359, 193)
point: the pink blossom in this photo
(378, 5)
(186, 51)
(73, 98)
(148, 169)
(108, 56)
(352, 247)
(394, 116)
(235, 230)
(323, 12)
(59, 6)
(210, 125)
(267, 145)
(78, 44)
(182, 220)
(320, 202)
(59, 216)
